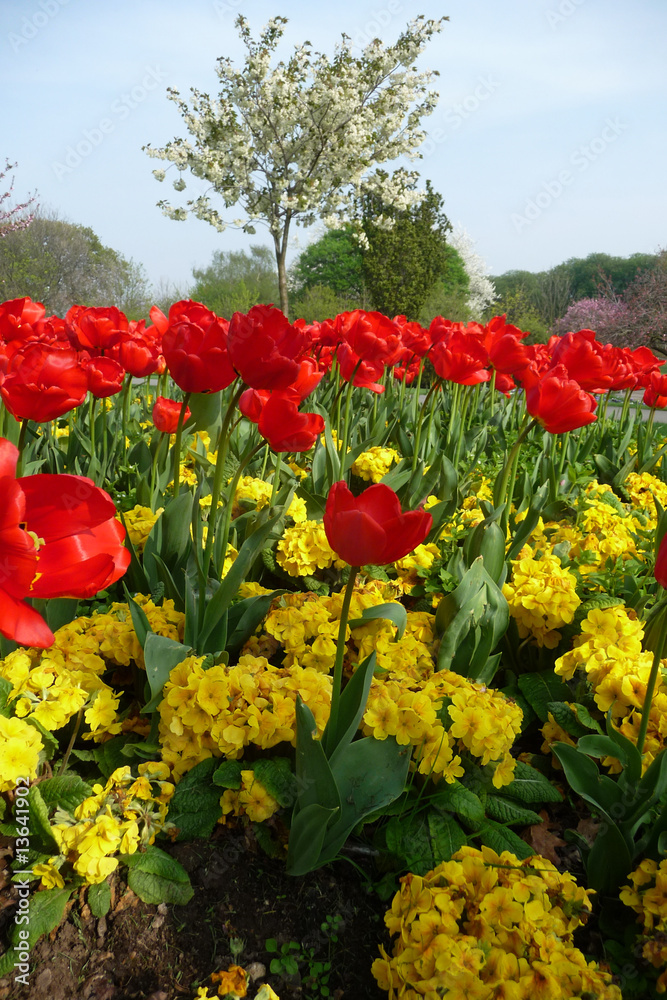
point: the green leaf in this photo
(531, 786)
(40, 828)
(140, 622)
(99, 899)
(65, 792)
(47, 909)
(194, 807)
(341, 731)
(156, 877)
(161, 655)
(109, 755)
(6, 688)
(568, 719)
(315, 781)
(244, 617)
(228, 775)
(409, 840)
(585, 780)
(500, 839)
(306, 837)
(460, 800)
(506, 811)
(395, 613)
(275, 774)
(369, 774)
(447, 837)
(539, 689)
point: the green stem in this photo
(91, 426)
(500, 491)
(275, 486)
(419, 419)
(340, 651)
(72, 741)
(222, 450)
(21, 446)
(653, 676)
(177, 443)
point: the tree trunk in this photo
(280, 245)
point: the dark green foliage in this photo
(235, 280)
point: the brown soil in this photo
(164, 953)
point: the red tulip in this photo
(285, 428)
(194, 345)
(265, 348)
(139, 350)
(43, 382)
(372, 336)
(252, 402)
(19, 319)
(358, 371)
(462, 358)
(105, 376)
(371, 529)
(166, 413)
(585, 360)
(655, 393)
(59, 537)
(559, 403)
(95, 329)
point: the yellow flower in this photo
(49, 875)
(233, 980)
(20, 747)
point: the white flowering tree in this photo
(481, 290)
(12, 217)
(301, 141)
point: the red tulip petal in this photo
(20, 622)
(357, 538)
(380, 502)
(9, 456)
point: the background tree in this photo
(301, 141)
(60, 263)
(334, 261)
(12, 217)
(646, 298)
(481, 290)
(402, 264)
(235, 280)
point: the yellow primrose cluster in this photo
(609, 649)
(482, 722)
(20, 750)
(251, 799)
(375, 463)
(304, 549)
(139, 523)
(601, 535)
(542, 596)
(307, 626)
(50, 686)
(407, 568)
(647, 896)
(643, 490)
(258, 492)
(485, 926)
(208, 713)
(121, 816)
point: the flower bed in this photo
(256, 579)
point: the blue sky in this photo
(548, 141)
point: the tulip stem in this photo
(275, 486)
(177, 443)
(340, 651)
(222, 449)
(346, 421)
(500, 492)
(72, 741)
(418, 423)
(21, 446)
(91, 428)
(653, 676)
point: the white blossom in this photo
(302, 140)
(481, 290)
